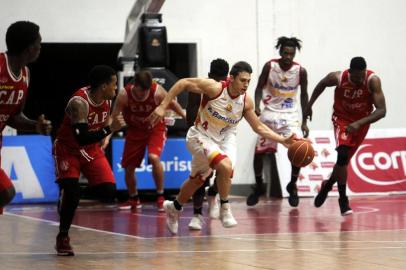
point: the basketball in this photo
(301, 153)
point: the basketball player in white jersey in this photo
(278, 88)
(212, 139)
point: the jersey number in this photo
(267, 99)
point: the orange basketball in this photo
(301, 153)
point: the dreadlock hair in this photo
(100, 74)
(219, 67)
(288, 42)
(20, 35)
(358, 63)
(143, 79)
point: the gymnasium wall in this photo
(332, 32)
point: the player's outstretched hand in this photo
(44, 126)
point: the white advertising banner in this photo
(378, 166)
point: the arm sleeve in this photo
(84, 137)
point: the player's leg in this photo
(340, 168)
(67, 168)
(196, 222)
(291, 120)
(224, 171)
(134, 150)
(292, 187)
(69, 196)
(156, 144)
(346, 153)
(259, 188)
(101, 179)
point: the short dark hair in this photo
(143, 79)
(219, 67)
(358, 63)
(288, 42)
(100, 74)
(239, 67)
(20, 35)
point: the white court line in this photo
(202, 251)
(53, 223)
(230, 236)
(318, 241)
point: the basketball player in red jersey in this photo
(23, 42)
(136, 101)
(77, 148)
(278, 88)
(358, 102)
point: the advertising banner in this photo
(378, 167)
(175, 158)
(27, 160)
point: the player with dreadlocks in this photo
(278, 87)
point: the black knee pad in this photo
(343, 155)
(105, 192)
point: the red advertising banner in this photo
(379, 165)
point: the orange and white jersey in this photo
(280, 92)
(219, 116)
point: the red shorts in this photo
(91, 161)
(353, 140)
(136, 143)
(5, 181)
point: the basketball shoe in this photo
(172, 216)
(226, 217)
(344, 206)
(130, 204)
(63, 247)
(196, 222)
(257, 191)
(293, 199)
(321, 197)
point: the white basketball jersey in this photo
(218, 117)
(280, 92)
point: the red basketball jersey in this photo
(13, 91)
(352, 102)
(137, 111)
(97, 117)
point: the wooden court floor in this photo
(271, 235)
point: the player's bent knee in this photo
(224, 168)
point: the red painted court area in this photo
(380, 213)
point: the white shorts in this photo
(206, 152)
(283, 123)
